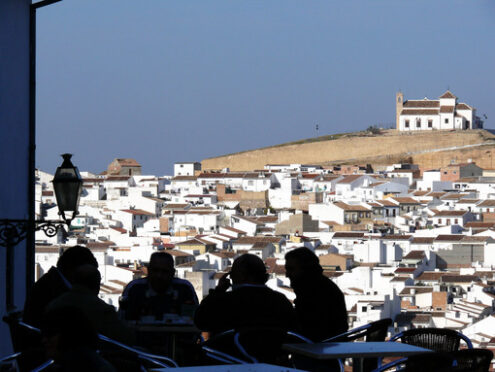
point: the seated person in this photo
(84, 296)
(55, 282)
(159, 293)
(320, 304)
(251, 305)
(69, 338)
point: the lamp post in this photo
(67, 184)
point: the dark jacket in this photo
(139, 299)
(247, 306)
(45, 290)
(320, 308)
(102, 316)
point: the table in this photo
(356, 350)
(255, 367)
(163, 331)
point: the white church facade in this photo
(442, 114)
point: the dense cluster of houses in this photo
(414, 245)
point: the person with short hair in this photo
(159, 293)
(250, 303)
(84, 296)
(320, 304)
(55, 282)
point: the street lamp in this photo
(67, 184)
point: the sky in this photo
(164, 81)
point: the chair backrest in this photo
(436, 339)
(425, 362)
(22, 335)
(473, 360)
(128, 358)
(260, 344)
(374, 331)
(429, 362)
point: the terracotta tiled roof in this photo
(450, 213)
(423, 103)
(349, 179)
(348, 235)
(396, 237)
(447, 109)
(422, 240)
(449, 238)
(463, 106)
(184, 178)
(431, 276)
(419, 112)
(460, 278)
(405, 200)
(487, 203)
(415, 255)
(447, 94)
(351, 207)
(138, 212)
(127, 162)
(257, 239)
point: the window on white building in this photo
(418, 123)
(430, 123)
(406, 123)
(446, 120)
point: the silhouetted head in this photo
(87, 276)
(300, 264)
(160, 271)
(248, 269)
(65, 329)
(74, 257)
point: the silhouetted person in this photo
(70, 339)
(250, 303)
(84, 296)
(262, 315)
(55, 282)
(159, 293)
(320, 304)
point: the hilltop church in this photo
(442, 114)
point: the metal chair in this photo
(436, 339)
(426, 362)
(374, 331)
(142, 356)
(472, 360)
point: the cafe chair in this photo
(374, 331)
(436, 339)
(472, 360)
(371, 332)
(264, 345)
(120, 354)
(425, 362)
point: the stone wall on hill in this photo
(429, 149)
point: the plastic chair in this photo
(374, 331)
(473, 360)
(436, 339)
(426, 362)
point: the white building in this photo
(445, 113)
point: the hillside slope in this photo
(428, 149)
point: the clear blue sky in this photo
(164, 81)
